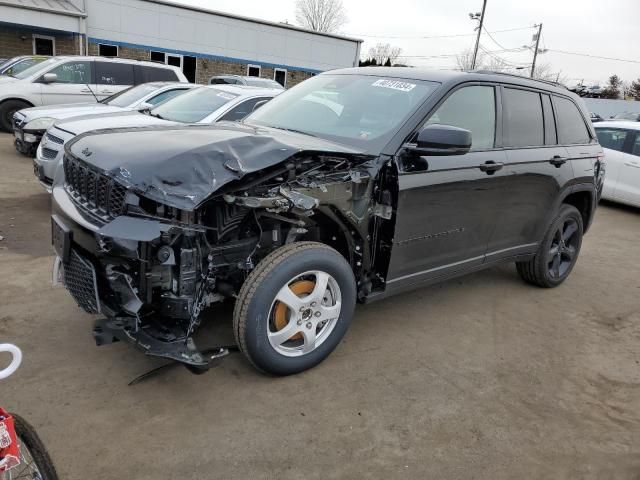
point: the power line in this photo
(493, 39)
(422, 37)
(446, 55)
(593, 56)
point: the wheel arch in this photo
(17, 99)
(583, 198)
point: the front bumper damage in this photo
(26, 141)
(96, 264)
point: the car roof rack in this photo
(493, 72)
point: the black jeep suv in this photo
(352, 186)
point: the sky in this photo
(590, 27)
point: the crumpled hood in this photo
(126, 119)
(182, 166)
(60, 112)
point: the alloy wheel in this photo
(564, 247)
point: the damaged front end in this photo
(152, 242)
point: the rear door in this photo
(629, 181)
(112, 77)
(537, 168)
(446, 214)
(74, 84)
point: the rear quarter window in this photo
(144, 74)
(571, 127)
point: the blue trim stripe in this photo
(202, 55)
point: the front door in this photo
(629, 180)
(73, 85)
(446, 214)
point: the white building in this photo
(202, 42)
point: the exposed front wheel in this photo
(7, 109)
(558, 252)
(294, 308)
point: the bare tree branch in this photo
(321, 15)
(383, 52)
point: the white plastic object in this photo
(16, 353)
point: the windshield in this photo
(22, 65)
(194, 105)
(130, 96)
(358, 110)
(36, 68)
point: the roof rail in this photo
(492, 72)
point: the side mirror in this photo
(259, 104)
(441, 140)
(49, 78)
(145, 107)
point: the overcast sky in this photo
(594, 27)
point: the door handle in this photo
(490, 167)
(557, 160)
(109, 92)
(85, 91)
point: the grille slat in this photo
(54, 139)
(93, 190)
(49, 153)
(79, 277)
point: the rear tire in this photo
(558, 252)
(294, 308)
(7, 109)
(28, 437)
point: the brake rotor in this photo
(280, 320)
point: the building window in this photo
(158, 57)
(280, 76)
(44, 45)
(253, 70)
(105, 50)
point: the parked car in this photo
(626, 116)
(595, 117)
(203, 105)
(594, 91)
(15, 65)
(60, 80)
(621, 143)
(249, 81)
(31, 123)
(303, 209)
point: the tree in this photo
(464, 61)
(321, 15)
(543, 71)
(384, 52)
(613, 89)
(634, 89)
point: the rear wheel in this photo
(294, 308)
(7, 109)
(34, 459)
(558, 252)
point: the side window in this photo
(240, 111)
(550, 134)
(612, 138)
(144, 74)
(571, 127)
(112, 73)
(635, 150)
(523, 118)
(472, 108)
(164, 96)
(73, 72)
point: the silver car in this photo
(31, 123)
(202, 105)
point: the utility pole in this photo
(475, 17)
(535, 52)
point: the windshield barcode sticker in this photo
(394, 84)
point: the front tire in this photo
(7, 109)
(558, 252)
(294, 308)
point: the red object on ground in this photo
(9, 452)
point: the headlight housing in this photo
(40, 123)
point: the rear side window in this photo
(240, 111)
(571, 127)
(144, 74)
(635, 149)
(111, 73)
(612, 138)
(523, 118)
(472, 108)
